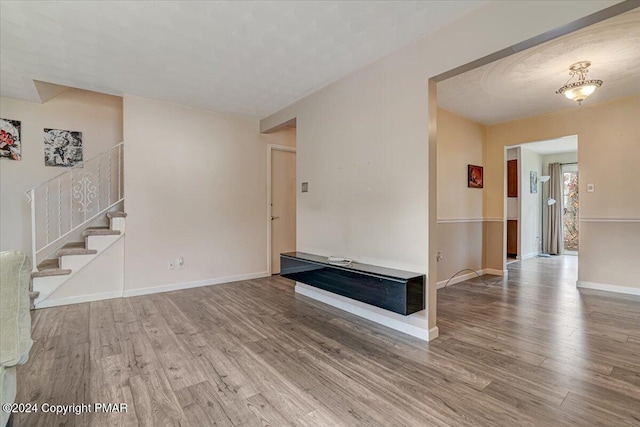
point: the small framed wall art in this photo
(533, 182)
(62, 147)
(10, 142)
(475, 176)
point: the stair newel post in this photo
(34, 248)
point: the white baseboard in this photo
(629, 290)
(433, 333)
(458, 279)
(530, 255)
(78, 299)
(195, 284)
(495, 272)
(410, 325)
(468, 276)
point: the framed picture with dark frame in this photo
(475, 177)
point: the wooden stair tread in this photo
(100, 231)
(50, 267)
(116, 215)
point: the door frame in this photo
(270, 149)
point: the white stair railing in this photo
(70, 200)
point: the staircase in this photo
(72, 257)
(65, 209)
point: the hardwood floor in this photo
(532, 350)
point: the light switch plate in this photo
(305, 187)
(591, 188)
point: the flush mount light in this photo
(581, 88)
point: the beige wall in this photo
(195, 184)
(460, 212)
(97, 116)
(461, 244)
(363, 141)
(609, 149)
(460, 143)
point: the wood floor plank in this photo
(155, 401)
(202, 407)
(529, 349)
(103, 336)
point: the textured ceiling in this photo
(244, 58)
(524, 84)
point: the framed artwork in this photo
(533, 182)
(10, 142)
(474, 176)
(62, 147)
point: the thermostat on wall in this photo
(305, 187)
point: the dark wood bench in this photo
(399, 291)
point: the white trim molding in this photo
(464, 220)
(270, 148)
(55, 302)
(458, 279)
(496, 272)
(434, 333)
(458, 220)
(629, 290)
(609, 219)
(414, 324)
(195, 284)
(467, 276)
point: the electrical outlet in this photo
(439, 256)
(171, 265)
(591, 188)
(180, 262)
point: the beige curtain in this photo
(554, 212)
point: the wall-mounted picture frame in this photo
(10, 139)
(62, 147)
(475, 177)
(533, 182)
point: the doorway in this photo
(535, 201)
(282, 203)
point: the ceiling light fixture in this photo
(579, 90)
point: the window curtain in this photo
(554, 212)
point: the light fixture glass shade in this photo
(580, 93)
(551, 201)
(580, 89)
(544, 178)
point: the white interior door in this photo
(283, 205)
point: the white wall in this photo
(363, 141)
(530, 211)
(195, 185)
(97, 116)
(102, 278)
